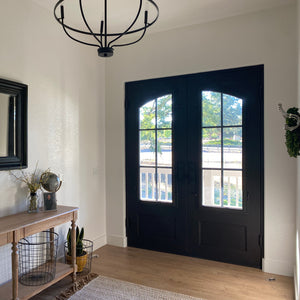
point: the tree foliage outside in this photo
(211, 117)
(156, 115)
(231, 109)
(156, 131)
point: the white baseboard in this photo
(296, 284)
(117, 240)
(99, 241)
(278, 267)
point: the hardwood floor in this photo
(192, 276)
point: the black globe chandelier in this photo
(106, 42)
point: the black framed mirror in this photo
(13, 125)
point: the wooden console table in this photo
(15, 227)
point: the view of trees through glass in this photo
(221, 150)
(156, 150)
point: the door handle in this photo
(192, 179)
(191, 174)
(180, 171)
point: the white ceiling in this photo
(173, 13)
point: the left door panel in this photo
(154, 210)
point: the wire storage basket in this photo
(37, 258)
(84, 261)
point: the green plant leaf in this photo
(81, 234)
(292, 137)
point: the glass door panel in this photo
(155, 150)
(211, 148)
(232, 189)
(222, 149)
(232, 148)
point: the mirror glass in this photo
(7, 125)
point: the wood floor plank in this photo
(191, 276)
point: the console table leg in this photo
(73, 237)
(15, 266)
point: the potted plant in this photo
(81, 254)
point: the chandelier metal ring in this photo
(105, 46)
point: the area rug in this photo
(82, 280)
(105, 288)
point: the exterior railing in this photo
(232, 189)
(156, 190)
(161, 189)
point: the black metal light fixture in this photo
(106, 42)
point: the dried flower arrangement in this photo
(33, 182)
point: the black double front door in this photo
(194, 165)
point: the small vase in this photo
(33, 203)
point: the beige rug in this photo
(105, 288)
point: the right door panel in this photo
(226, 160)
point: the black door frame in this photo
(171, 85)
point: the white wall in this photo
(268, 38)
(297, 266)
(66, 111)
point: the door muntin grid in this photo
(222, 148)
(155, 150)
